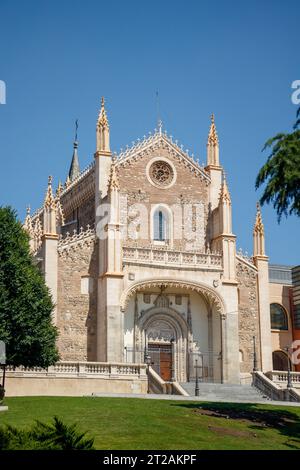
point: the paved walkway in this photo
(151, 396)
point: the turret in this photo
(102, 155)
(213, 145)
(49, 211)
(258, 234)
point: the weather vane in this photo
(76, 129)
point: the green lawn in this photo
(129, 423)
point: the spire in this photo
(49, 215)
(59, 189)
(225, 207)
(102, 130)
(258, 234)
(74, 171)
(213, 145)
(28, 221)
(225, 194)
(49, 199)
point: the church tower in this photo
(261, 261)
(213, 164)
(103, 154)
(49, 244)
(109, 317)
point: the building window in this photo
(280, 360)
(160, 225)
(178, 299)
(147, 298)
(279, 319)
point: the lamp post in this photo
(197, 380)
(255, 368)
(173, 361)
(148, 362)
(289, 375)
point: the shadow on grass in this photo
(257, 418)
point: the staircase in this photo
(225, 392)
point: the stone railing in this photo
(281, 377)
(76, 241)
(267, 387)
(81, 369)
(273, 390)
(165, 257)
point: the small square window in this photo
(147, 298)
(178, 299)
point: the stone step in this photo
(223, 392)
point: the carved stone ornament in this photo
(161, 173)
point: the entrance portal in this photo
(161, 359)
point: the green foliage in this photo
(55, 436)
(281, 172)
(25, 301)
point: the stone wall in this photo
(72, 387)
(77, 297)
(248, 315)
(189, 189)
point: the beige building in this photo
(140, 256)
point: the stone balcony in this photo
(160, 256)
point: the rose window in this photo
(161, 173)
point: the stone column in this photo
(50, 261)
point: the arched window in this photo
(160, 226)
(279, 319)
(280, 360)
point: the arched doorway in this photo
(280, 360)
(180, 324)
(163, 333)
(160, 340)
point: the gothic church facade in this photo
(140, 257)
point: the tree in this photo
(281, 172)
(43, 436)
(25, 301)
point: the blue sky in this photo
(236, 59)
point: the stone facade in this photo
(139, 254)
(77, 306)
(248, 314)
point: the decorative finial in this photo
(225, 195)
(28, 210)
(102, 129)
(59, 189)
(49, 199)
(213, 136)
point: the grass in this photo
(130, 423)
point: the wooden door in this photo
(161, 358)
(166, 364)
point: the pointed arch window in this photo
(160, 225)
(279, 319)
